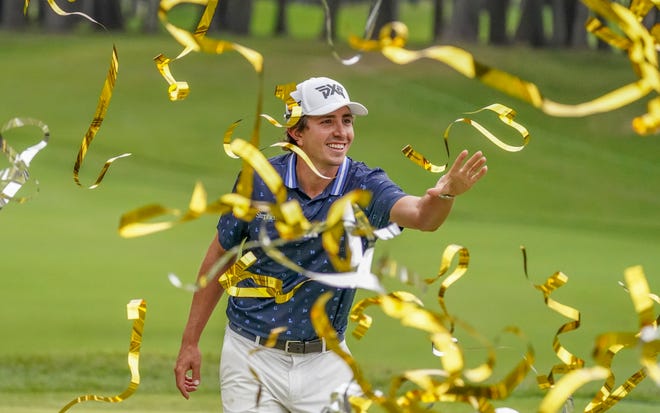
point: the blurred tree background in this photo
(535, 23)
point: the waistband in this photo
(289, 346)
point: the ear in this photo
(295, 135)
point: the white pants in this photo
(255, 378)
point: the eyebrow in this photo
(330, 116)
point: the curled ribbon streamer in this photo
(332, 235)
(99, 116)
(17, 174)
(272, 287)
(454, 389)
(256, 161)
(227, 140)
(324, 329)
(609, 344)
(132, 224)
(61, 12)
(504, 113)
(268, 286)
(296, 149)
(570, 361)
(393, 37)
(407, 308)
(359, 276)
(180, 90)
(461, 268)
(368, 30)
(198, 42)
(293, 109)
(643, 302)
(136, 310)
(567, 385)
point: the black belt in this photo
(289, 346)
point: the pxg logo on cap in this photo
(330, 89)
(321, 95)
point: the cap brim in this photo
(357, 109)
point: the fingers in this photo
(181, 378)
(475, 167)
(458, 163)
(186, 383)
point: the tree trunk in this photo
(389, 12)
(108, 13)
(560, 23)
(333, 6)
(579, 34)
(11, 15)
(464, 24)
(233, 16)
(497, 10)
(281, 26)
(438, 17)
(53, 22)
(150, 19)
(530, 30)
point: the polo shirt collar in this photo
(291, 181)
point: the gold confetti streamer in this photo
(136, 310)
(570, 361)
(99, 116)
(359, 275)
(17, 174)
(461, 268)
(408, 309)
(324, 329)
(293, 109)
(640, 47)
(61, 12)
(198, 42)
(368, 31)
(573, 380)
(609, 344)
(133, 224)
(504, 113)
(180, 90)
(290, 221)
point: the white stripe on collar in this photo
(291, 181)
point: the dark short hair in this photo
(298, 127)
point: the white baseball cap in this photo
(322, 95)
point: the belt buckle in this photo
(299, 346)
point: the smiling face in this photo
(326, 138)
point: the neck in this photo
(309, 182)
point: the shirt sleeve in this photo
(231, 230)
(385, 193)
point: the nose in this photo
(342, 130)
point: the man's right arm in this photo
(203, 303)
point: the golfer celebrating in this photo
(298, 374)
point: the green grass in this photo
(582, 198)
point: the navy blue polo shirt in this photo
(259, 315)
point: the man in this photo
(298, 374)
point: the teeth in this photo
(336, 145)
